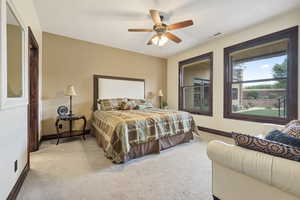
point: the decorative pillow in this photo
(138, 101)
(278, 136)
(141, 104)
(144, 106)
(267, 146)
(128, 105)
(292, 128)
(110, 104)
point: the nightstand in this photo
(70, 119)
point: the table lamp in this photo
(70, 91)
(160, 95)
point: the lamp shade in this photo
(160, 93)
(70, 91)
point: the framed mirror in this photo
(14, 55)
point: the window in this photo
(234, 93)
(195, 84)
(261, 78)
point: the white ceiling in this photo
(106, 21)
(10, 17)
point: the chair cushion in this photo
(280, 137)
(292, 129)
(267, 146)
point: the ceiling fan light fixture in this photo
(163, 34)
(160, 40)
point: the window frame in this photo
(292, 81)
(181, 86)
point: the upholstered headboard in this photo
(108, 87)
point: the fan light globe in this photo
(160, 40)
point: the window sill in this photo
(259, 119)
(198, 112)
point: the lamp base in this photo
(70, 113)
(160, 102)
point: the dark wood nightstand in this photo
(71, 133)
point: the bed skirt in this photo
(151, 147)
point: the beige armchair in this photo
(242, 174)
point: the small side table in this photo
(70, 118)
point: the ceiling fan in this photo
(162, 35)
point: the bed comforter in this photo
(120, 129)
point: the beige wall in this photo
(70, 61)
(13, 134)
(217, 46)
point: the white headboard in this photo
(108, 87)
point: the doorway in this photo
(33, 109)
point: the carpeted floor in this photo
(78, 170)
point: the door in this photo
(33, 112)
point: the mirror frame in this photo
(5, 101)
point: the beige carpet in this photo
(78, 170)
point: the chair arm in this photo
(278, 172)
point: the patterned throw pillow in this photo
(141, 104)
(267, 146)
(292, 128)
(128, 105)
(280, 137)
(110, 104)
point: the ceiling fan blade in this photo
(155, 16)
(150, 41)
(140, 30)
(179, 25)
(173, 37)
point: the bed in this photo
(129, 134)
